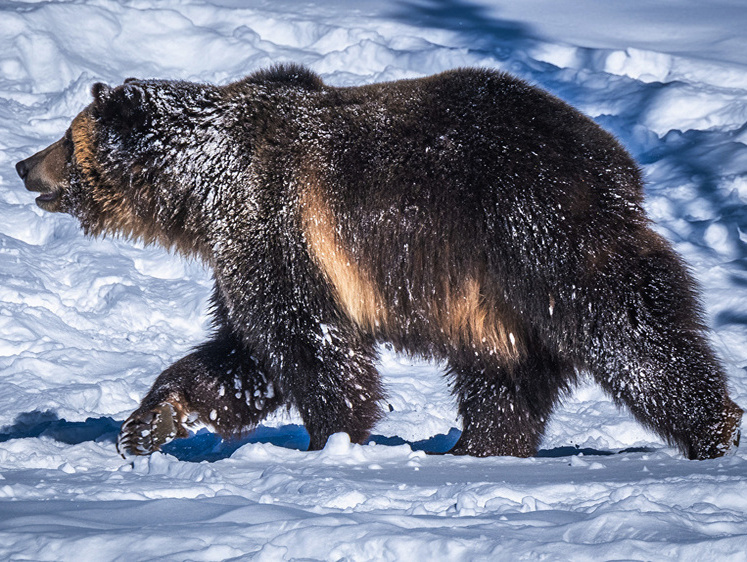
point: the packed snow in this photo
(86, 325)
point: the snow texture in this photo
(87, 324)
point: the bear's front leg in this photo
(334, 383)
(219, 385)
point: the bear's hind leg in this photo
(674, 386)
(504, 409)
(218, 385)
(655, 357)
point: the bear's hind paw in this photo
(145, 432)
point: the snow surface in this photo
(86, 325)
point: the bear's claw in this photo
(145, 432)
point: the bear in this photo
(467, 217)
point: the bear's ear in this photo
(101, 94)
(125, 105)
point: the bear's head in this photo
(125, 164)
(78, 166)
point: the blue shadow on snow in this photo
(207, 446)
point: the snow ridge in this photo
(86, 325)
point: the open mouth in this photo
(48, 198)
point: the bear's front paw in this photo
(144, 432)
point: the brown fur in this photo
(471, 319)
(466, 315)
(53, 165)
(117, 214)
(83, 132)
(355, 292)
(468, 217)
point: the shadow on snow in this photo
(485, 33)
(207, 446)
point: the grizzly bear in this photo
(467, 217)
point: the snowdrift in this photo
(86, 325)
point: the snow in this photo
(86, 325)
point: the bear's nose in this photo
(23, 169)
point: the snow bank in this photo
(86, 325)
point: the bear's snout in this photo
(45, 173)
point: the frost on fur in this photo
(467, 217)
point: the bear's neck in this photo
(189, 200)
(182, 228)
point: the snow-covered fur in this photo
(466, 217)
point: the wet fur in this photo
(466, 217)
